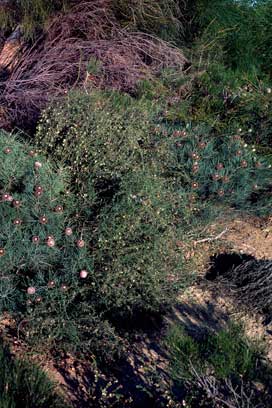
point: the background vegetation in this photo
(142, 121)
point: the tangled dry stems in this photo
(252, 284)
(59, 61)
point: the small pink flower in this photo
(17, 221)
(37, 165)
(16, 203)
(50, 242)
(83, 274)
(80, 243)
(59, 209)
(7, 197)
(195, 185)
(43, 220)
(31, 290)
(68, 231)
(35, 239)
(244, 164)
(216, 177)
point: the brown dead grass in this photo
(59, 61)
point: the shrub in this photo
(219, 168)
(227, 352)
(32, 15)
(70, 276)
(136, 248)
(218, 367)
(36, 247)
(43, 250)
(225, 99)
(100, 136)
(237, 32)
(158, 17)
(24, 384)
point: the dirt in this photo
(210, 304)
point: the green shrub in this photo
(136, 250)
(100, 136)
(160, 17)
(213, 365)
(218, 168)
(225, 99)
(42, 252)
(35, 213)
(238, 32)
(25, 385)
(31, 14)
(130, 254)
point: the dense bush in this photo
(136, 248)
(237, 32)
(24, 384)
(100, 136)
(69, 268)
(158, 17)
(219, 168)
(31, 14)
(45, 259)
(225, 99)
(36, 218)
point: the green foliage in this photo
(136, 245)
(238, 33)
(31, 14)
(161, 17)
(100, 136)
(22, 384)
(226, 354)
(129, 246)
(218, 168)
(226, 100)
(40, 259)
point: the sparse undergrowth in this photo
(218, 368)
(22, 384)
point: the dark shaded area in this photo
(223, 263)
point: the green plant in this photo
(98, 137)
(219, 168)
(46, 265)
(158, 17)
(218, 366)
(32, 15)
(24, 384)
(136, 248)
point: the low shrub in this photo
(136, 249)
(100, 136)
(24, 384)
(218, 367)
(224, 100)
(219, 168)
(157, 17)
(241, 29)
(47, 275)
(71, 271)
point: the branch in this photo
(211, 238)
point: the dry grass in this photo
(59, 60)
